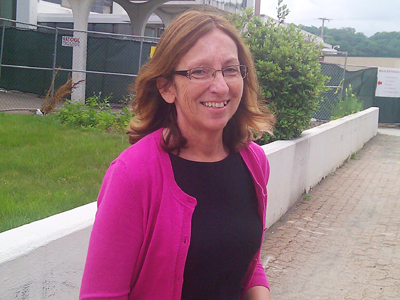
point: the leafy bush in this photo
(288, 70)
(347, 105)
(95, 113)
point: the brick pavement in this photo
(342, 241)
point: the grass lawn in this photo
(47, 168)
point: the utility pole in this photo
(323, 23)
(257, 8)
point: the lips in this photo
(215, 104)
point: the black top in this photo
(226, 227)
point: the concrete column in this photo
(139, 13)
(26, 11)
(80, 10)
(165, 17)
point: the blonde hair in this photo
(151, 111)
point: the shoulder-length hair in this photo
(151, 112)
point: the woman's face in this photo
(206, 106)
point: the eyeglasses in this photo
(206, 73)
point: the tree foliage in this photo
(381, 44)
(288, 70)
(282, 11)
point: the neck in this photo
(204, 147)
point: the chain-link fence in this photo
(32, 55)
(336, 73)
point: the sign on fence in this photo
(152, 49)
(388, 84)
(70, 41)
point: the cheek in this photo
(187, 96)
(237, 90)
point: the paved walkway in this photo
(342, 241)
(16, 101)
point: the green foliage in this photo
(381, 44)
(348, 105)
(95, 113)
(288, 70)
(282, 12)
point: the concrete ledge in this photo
(298, 165)
(45, 259)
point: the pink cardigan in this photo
(141, 234)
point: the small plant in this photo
(353, 156)
(59, 95)
(347, 105)
(95, 113)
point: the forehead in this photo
(214, 49)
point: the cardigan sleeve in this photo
(259, 277)
(115, 240)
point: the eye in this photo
(231, 71)
(200, 73)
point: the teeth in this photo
(215, 104)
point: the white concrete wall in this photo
(45, 259)
(298, 165)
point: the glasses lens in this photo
(231, 71)
(201, 73)
(235, 71)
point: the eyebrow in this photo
(204, 63)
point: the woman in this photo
(181, 213)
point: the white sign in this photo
(70, 41)
(388, 84)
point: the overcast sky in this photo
(366, 16)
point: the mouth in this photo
(215, 104)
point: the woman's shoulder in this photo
(149, 146)
(255, 151)
(145, 154)
(138, 168)
(256, 160)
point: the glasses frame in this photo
(243, 69)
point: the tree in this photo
(288, 70)
(381, 44)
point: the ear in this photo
(166, 90)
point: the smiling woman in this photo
(181, 213)
(204, 104)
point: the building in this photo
(119, 16)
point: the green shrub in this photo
(347, 105)
(288, 70)
(95, 113)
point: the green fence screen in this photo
(26, 50)
(363, 83)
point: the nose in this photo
(218, 84)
